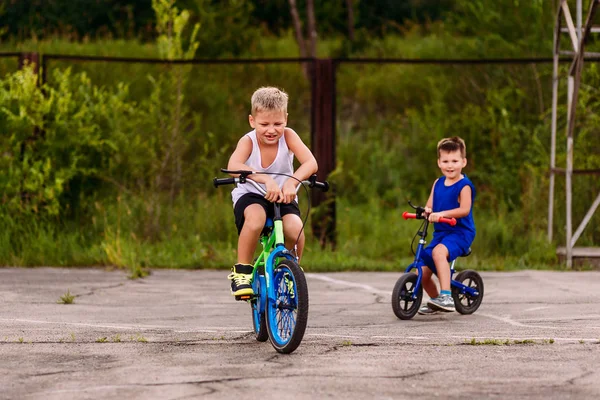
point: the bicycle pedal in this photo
(244, 297)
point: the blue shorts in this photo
(456, 244)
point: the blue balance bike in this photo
(467, 286)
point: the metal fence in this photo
(320, 105)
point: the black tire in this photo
(286, 320)
(403, 303)
(466, 303)
(258, 317)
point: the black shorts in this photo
(253, 198)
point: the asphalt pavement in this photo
(180, 334)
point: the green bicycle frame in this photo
(268, 244)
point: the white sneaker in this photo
(426, 310)
(443, 302)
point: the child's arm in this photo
(463, 210)
(308, 164)
(429, 205)
(237, 162)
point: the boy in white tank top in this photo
(270, 147)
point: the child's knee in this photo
(255, 222)
(439, 252)
(292, 223)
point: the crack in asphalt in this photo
(330, 350)
(50, 373)
(274, 358)
(94, 290)
(243, 336)
(585, 374)
(380, 299)
(299, 375)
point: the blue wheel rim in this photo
(282, 315)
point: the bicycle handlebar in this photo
(449, 221)
(223, 181)
(311, 181)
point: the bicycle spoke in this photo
(286, 306)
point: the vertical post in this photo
(569, 170)
(34, 60)
(31, 59)
(579, 17)
(323, 145)
(553, 128)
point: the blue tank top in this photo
(446, 198)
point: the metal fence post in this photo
(323, 146)
(31, 59)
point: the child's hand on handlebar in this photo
(433, 217)
(274, 193)
(427, 212)
(289, 191)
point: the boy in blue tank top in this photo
(452, 196)
(269, 147)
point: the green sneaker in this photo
(241, 281)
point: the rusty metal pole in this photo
(323, 146)
(30, 59)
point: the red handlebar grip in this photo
(407, 215)
(449, 221)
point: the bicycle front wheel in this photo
(287, 318)
(406, 297)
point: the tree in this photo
(350, 7)
(307, 46)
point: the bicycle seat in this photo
(467, 253)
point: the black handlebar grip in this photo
(324, 186)
(223, 181)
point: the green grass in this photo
(66, 298)
(141, 339)
(102, 47)
(506, 342)
(371, 237)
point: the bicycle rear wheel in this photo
(464, 302)
(287, 318)
(258, 314)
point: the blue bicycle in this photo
(280, 301)
(467, 287)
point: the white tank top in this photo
(283, 163)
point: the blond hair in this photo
(269, 99)
(452, 144)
